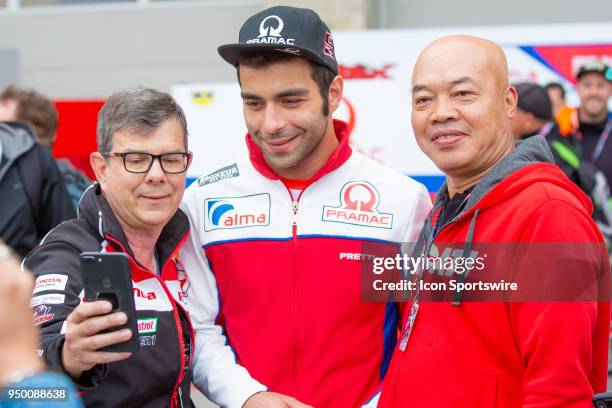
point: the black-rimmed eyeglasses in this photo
(139, 162)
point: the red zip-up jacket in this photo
(509, 354)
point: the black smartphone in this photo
(603, 400)
(106, 276)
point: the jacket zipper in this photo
(295, 203)
(176, 392)
(294, 218)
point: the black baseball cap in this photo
(534, 99)
(292, 30)
(597, 67)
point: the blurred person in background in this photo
(534, 117)
(556, 93)
(140, 168)
(591, 122)
(534, 111)
(20, 366)
(39, 111)
(33, 197)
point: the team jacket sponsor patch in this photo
(52, 281)
(237, 212)
(50, 299)
(358, 206)
(147, 325)
(223, 173)
(150, 295)
(42, 314)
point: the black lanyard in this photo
(601, 142)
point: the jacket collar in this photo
(94, 208)
(337, 159)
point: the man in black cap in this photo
(534, 111)
(277, 238)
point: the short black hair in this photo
(322, 75)
(556, 85)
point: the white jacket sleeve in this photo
(420, 210)
(215, 370)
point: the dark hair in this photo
(37, 110)
(322, 75)
(141, 110)
(556, 85)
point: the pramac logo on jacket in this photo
(358, 206)
(236, 212)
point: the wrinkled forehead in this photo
(446, 63)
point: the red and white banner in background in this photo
(377, 66)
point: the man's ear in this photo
(336, 89)
(511, 97)
(100, 167)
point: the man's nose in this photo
(273, 119)
(156, 173)
(444, 110)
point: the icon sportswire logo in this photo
(270, 32)
(237, 212)
(358, 206)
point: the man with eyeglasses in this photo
(133, 208)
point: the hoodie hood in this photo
(530, 161)
(16, 139)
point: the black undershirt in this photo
(591, 132)
(452, 207)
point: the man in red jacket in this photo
(545, 349)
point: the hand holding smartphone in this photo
(106, 276)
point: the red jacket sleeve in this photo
(564, 344)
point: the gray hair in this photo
(140, 110)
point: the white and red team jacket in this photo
(275, 282)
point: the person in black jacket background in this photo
(140, 166)
(33, 197)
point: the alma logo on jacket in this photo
(237, 212)
(358, 206)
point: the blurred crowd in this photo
(577, 136)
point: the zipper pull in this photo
(180, 395)
(295, 213)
